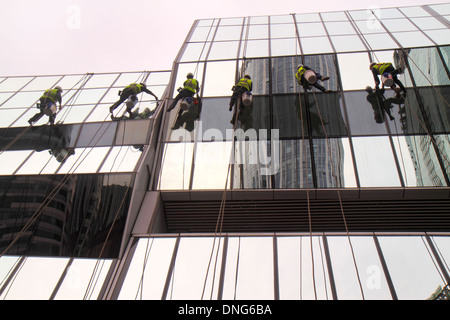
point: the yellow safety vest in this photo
(300, 72)
(381, 67)
(137, 88)
(246, 83)
(51, 94)
(191, 85)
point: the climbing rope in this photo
(339, 196)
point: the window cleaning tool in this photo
(50, 109)
(247, 98)
(310, 76)
(387, 79)
(186, 103)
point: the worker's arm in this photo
(375, 77)
(151, 93)
(60, 101)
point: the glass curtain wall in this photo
(242, 267)
(65, 188)
(291, 137)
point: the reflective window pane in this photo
(302, 269)
(43, 83)
(150, 260)
(373, 156)
(191, 269)
(347, 43)
(255, 48)
(11, 160)
(22, 99)
(410, 254)
(14, 83)
(249, 274)
(284, 47)
(380, 41)
(396, 25)
(225, 33)
(211, 162)
(295, 165)
(339, 28)
(316, 45)
(348, 63)
(121, 159)
(368, 269)
(418, 161)
(195, 51)
(282, 30)
(439, 36)
(426, 23)
(412, 39)
(176, 166)
(36, 280)
(84, 160)
(101, 80)
(333, 163)
(220, 77)
(312, 29)
(78, 284)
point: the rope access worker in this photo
(47, 105)
(307, 77)
(384, 70)
(131, 91)
(190, 87)
(244, 85)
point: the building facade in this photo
(304, 194)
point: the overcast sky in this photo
(78, 36)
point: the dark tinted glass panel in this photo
(97, 134)
(436, 102)
(289, 116)
(38, 138)
(73, 214)
(326, 115)
(364, 112)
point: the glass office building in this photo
(307, 194)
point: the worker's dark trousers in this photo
(238, 91)
(182, 94)
(38, 116)
(306, 84)
(126, 93)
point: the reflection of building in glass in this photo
(60, 215)
(427, 70)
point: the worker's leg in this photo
(236, 94)
(125, 94)
(320, 87)
(182, 94)
(36, 117)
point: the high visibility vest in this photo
(137, 88)
(300, 72)
(51, 94)
(191, 85)
(381, 67)
(245, 83)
